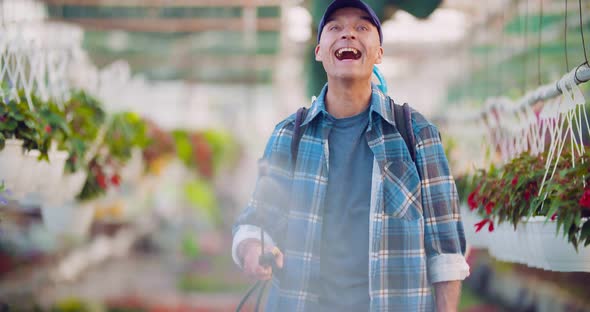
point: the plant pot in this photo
(535, 244)
(510, 245)
(499, 242)
(28, 179)
(556, 252)
(69, 219)
(52, 173)
(11, 158)
(72, 184)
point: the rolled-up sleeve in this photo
(444, 239)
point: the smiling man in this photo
(356, 223)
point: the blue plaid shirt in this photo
(416, 235)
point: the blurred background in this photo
(141, 122)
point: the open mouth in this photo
(348, 54)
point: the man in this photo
(357, 224)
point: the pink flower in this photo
(514, 181)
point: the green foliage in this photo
(184, 149)
(190, 246)
(55, 128)
(19, 121)
(224, 148)
(85, 115)
(126, 131)
(206, 151)
(96, 182)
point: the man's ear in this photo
(379, 56)
(318, 56)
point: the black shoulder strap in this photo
(297, 134)
(403, 121)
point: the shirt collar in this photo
(379, 103)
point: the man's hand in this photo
(447, 295)
(249, 252)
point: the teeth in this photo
(342, 50)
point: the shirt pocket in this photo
(401, 190)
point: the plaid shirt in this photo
(416, 236)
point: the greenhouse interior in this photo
(131, 134)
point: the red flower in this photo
(527, 195)
(514, 181)
(585, 200)
(101, 180)
(116, 180)
(489, 207)
(471, 200)
(482, 223)
(48, 129)
(553, 217)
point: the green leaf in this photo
(553, 208)
(585, 233)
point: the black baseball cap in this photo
(339, 4)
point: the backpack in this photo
(403, 121)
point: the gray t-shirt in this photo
(344, 255)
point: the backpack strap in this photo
(297, 134)
(403, 121)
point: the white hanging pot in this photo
(11, 158)
(522, 243)
(26, 182)
(535, 244)
(72, 184)
(68, 219)
(498, 242)
(557, 253)
(52, 173)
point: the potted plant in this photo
(126, 132)
(54, 149)
(19, 130)
(85, 116)
(511, 195)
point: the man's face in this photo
(349, 45)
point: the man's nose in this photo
(348, 33)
